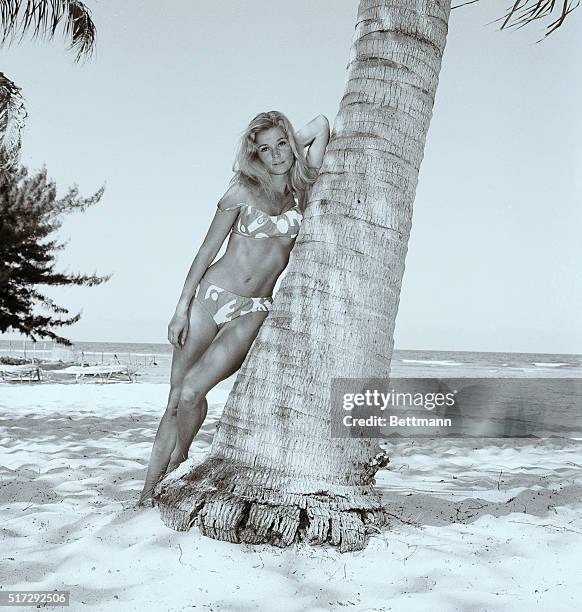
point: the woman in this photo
(223, 304)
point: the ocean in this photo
(545, 389)
(153, 361)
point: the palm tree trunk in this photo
(274, 473)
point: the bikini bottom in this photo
(224, 306)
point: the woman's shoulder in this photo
(236, 195)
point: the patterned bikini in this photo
(252, 222)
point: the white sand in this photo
(73, 460)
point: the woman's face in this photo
(274, 150)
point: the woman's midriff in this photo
(250, 266)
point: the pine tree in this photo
(30, 214)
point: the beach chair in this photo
(101, 373)
(29, 372)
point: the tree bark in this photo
(274, 473)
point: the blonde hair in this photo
(250, 171)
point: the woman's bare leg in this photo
(200, 334)
(164, 442)
(189, 424)
(220, 360)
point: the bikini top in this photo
(255, 223)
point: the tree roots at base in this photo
(232, 510)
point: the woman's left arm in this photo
(315, 135)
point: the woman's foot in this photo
(145, 499)
(175, 461)
(173, 465)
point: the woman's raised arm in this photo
(315, 135)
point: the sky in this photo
(495, 257)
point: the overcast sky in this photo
(495, 255)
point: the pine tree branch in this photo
(30, 214)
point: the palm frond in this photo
(524, 12)
(80, 28)
(12, 116)
(43, 17)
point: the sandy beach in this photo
(487, 525)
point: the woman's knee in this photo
(190, 396)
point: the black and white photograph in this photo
(290, 305)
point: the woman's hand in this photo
(178, 329)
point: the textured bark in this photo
(274, 473)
